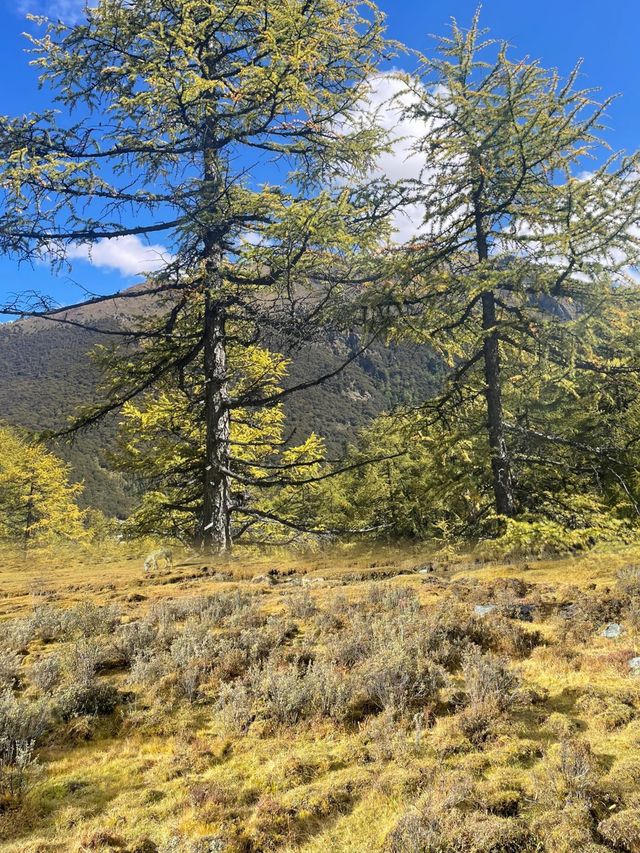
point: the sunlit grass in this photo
(162, 768)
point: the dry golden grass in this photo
(167, 774)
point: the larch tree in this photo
(231, 131)
(38, 504)
(522, 264)
(162, 439)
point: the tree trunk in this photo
(217, 504)
(500, 465)
(216, 525)
(29, 516)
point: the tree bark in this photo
(502, 478)
(217, 508)
(500, 464)
(29, 515)
(217, 499)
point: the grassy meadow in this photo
(348, 701)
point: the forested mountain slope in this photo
(45, 373)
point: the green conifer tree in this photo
(172, 103)
(38, 504)
(521, 269)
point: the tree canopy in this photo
(239, 135)
(232, 130)
(521, 271)
(38, 504)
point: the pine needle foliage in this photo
(161, 446)
(38, 504)
(230, 131)
(522, 271)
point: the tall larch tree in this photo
(525, 253)
(229, 131)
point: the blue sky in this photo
(558, 32)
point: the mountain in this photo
(46, 373)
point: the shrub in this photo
(46, 673)
(9, 665)
(458, 833)
(189, 680)
(134, 638)
(22, 725)
(233, 659)
(568, 774)
(579, 620)
(301, 605)
(413, 834)
(47, 623)
(385, 597)
(286, 694)
(235, 707)
(88, 620)
(193, 654)
(354, 644)
(194, 647)
(449, 818)
(605, 711)
(398, 680)
(149, 667)
(249, 617)
(622, 830)
(216, 608)
(93, 699)
(492, 834)
(18, 633)
(163, 617)
(101, 839)
(559, 725)
(22, 720)
(568, 829)
(273, 826)
(239, 650)
(282, 693)
(327, 622)
(511, 639)
(391, 739)
(629, 580)
(478, 722)
(488, 680)
(450, 629)
(331, 691)
(190, 657)
(17, 762)
(632, 615)
(83, 660)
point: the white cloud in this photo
(408, 160)
(386, 101)
(385, 104)
(127, 255)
